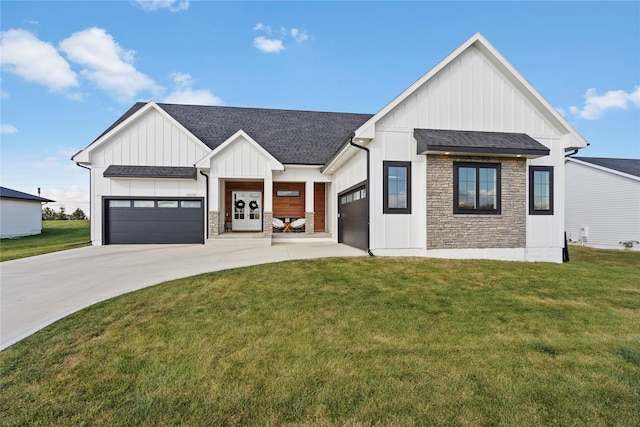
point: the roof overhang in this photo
(438, 141)
(150, 172)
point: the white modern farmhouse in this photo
(468, 162)
(20, 213)
(602, 202)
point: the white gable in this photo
(474, 88)
(240, 157)
(469, 94)
(149, 137)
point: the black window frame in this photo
(477, 166)
(385, 187)
(532, 209)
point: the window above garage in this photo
(172, 172)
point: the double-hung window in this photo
(397, 187)
(541, 190)
(477, 188)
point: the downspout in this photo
(366, 186)
(571, 154)
(90, 198)
(207, 203)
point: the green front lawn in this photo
(364, 341)
(56, 236)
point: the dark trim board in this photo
(153, 224)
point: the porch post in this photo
(267, 206)
(309, 214)
(214, 206)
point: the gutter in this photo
(90, 198)
(366, 186)
(207, 203)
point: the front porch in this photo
(286, 210)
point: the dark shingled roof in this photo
(124, 171)
(458, 141)
(628, 166)
(291, 136)
(7, 193)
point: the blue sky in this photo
(70, 69)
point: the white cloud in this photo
(71, 197)
(184, 94)
(275, 43)
(595, 105)
(299, 36)
(6, 129)
(268, 45)
(54, 163)
(561, 111)
(261, 27)
(34, 60)
(171, 5)
(108, 65)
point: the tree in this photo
(78, 214)
(62, 214)
(48, 214)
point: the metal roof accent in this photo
(458, 141)
(628, 166)
(7, 193)
(125, 171)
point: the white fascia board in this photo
(83, 155)
(602, 168)
(204, 163)
(500, 62)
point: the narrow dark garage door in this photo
(146, 221)
(352, 221)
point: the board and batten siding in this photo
(471, 94)
(20, 218)
(605, 204)
(152, 140)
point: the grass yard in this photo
(56, 236)
(349, 342)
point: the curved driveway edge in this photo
(35, 292)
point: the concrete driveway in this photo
(37, 291)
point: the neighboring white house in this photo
(602, 203)
(20, 213)
(468, 162)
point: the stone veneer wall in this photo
(267, 223)
(446, 230)
(309, 219)
(214, 223)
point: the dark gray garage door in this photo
(352, 220)
(146, 221)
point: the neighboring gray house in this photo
(602, 203)
(20, 213)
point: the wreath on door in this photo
(253, 205)
(239, 204)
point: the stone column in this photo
(267, 225)
(309, 222)
(214, 223)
